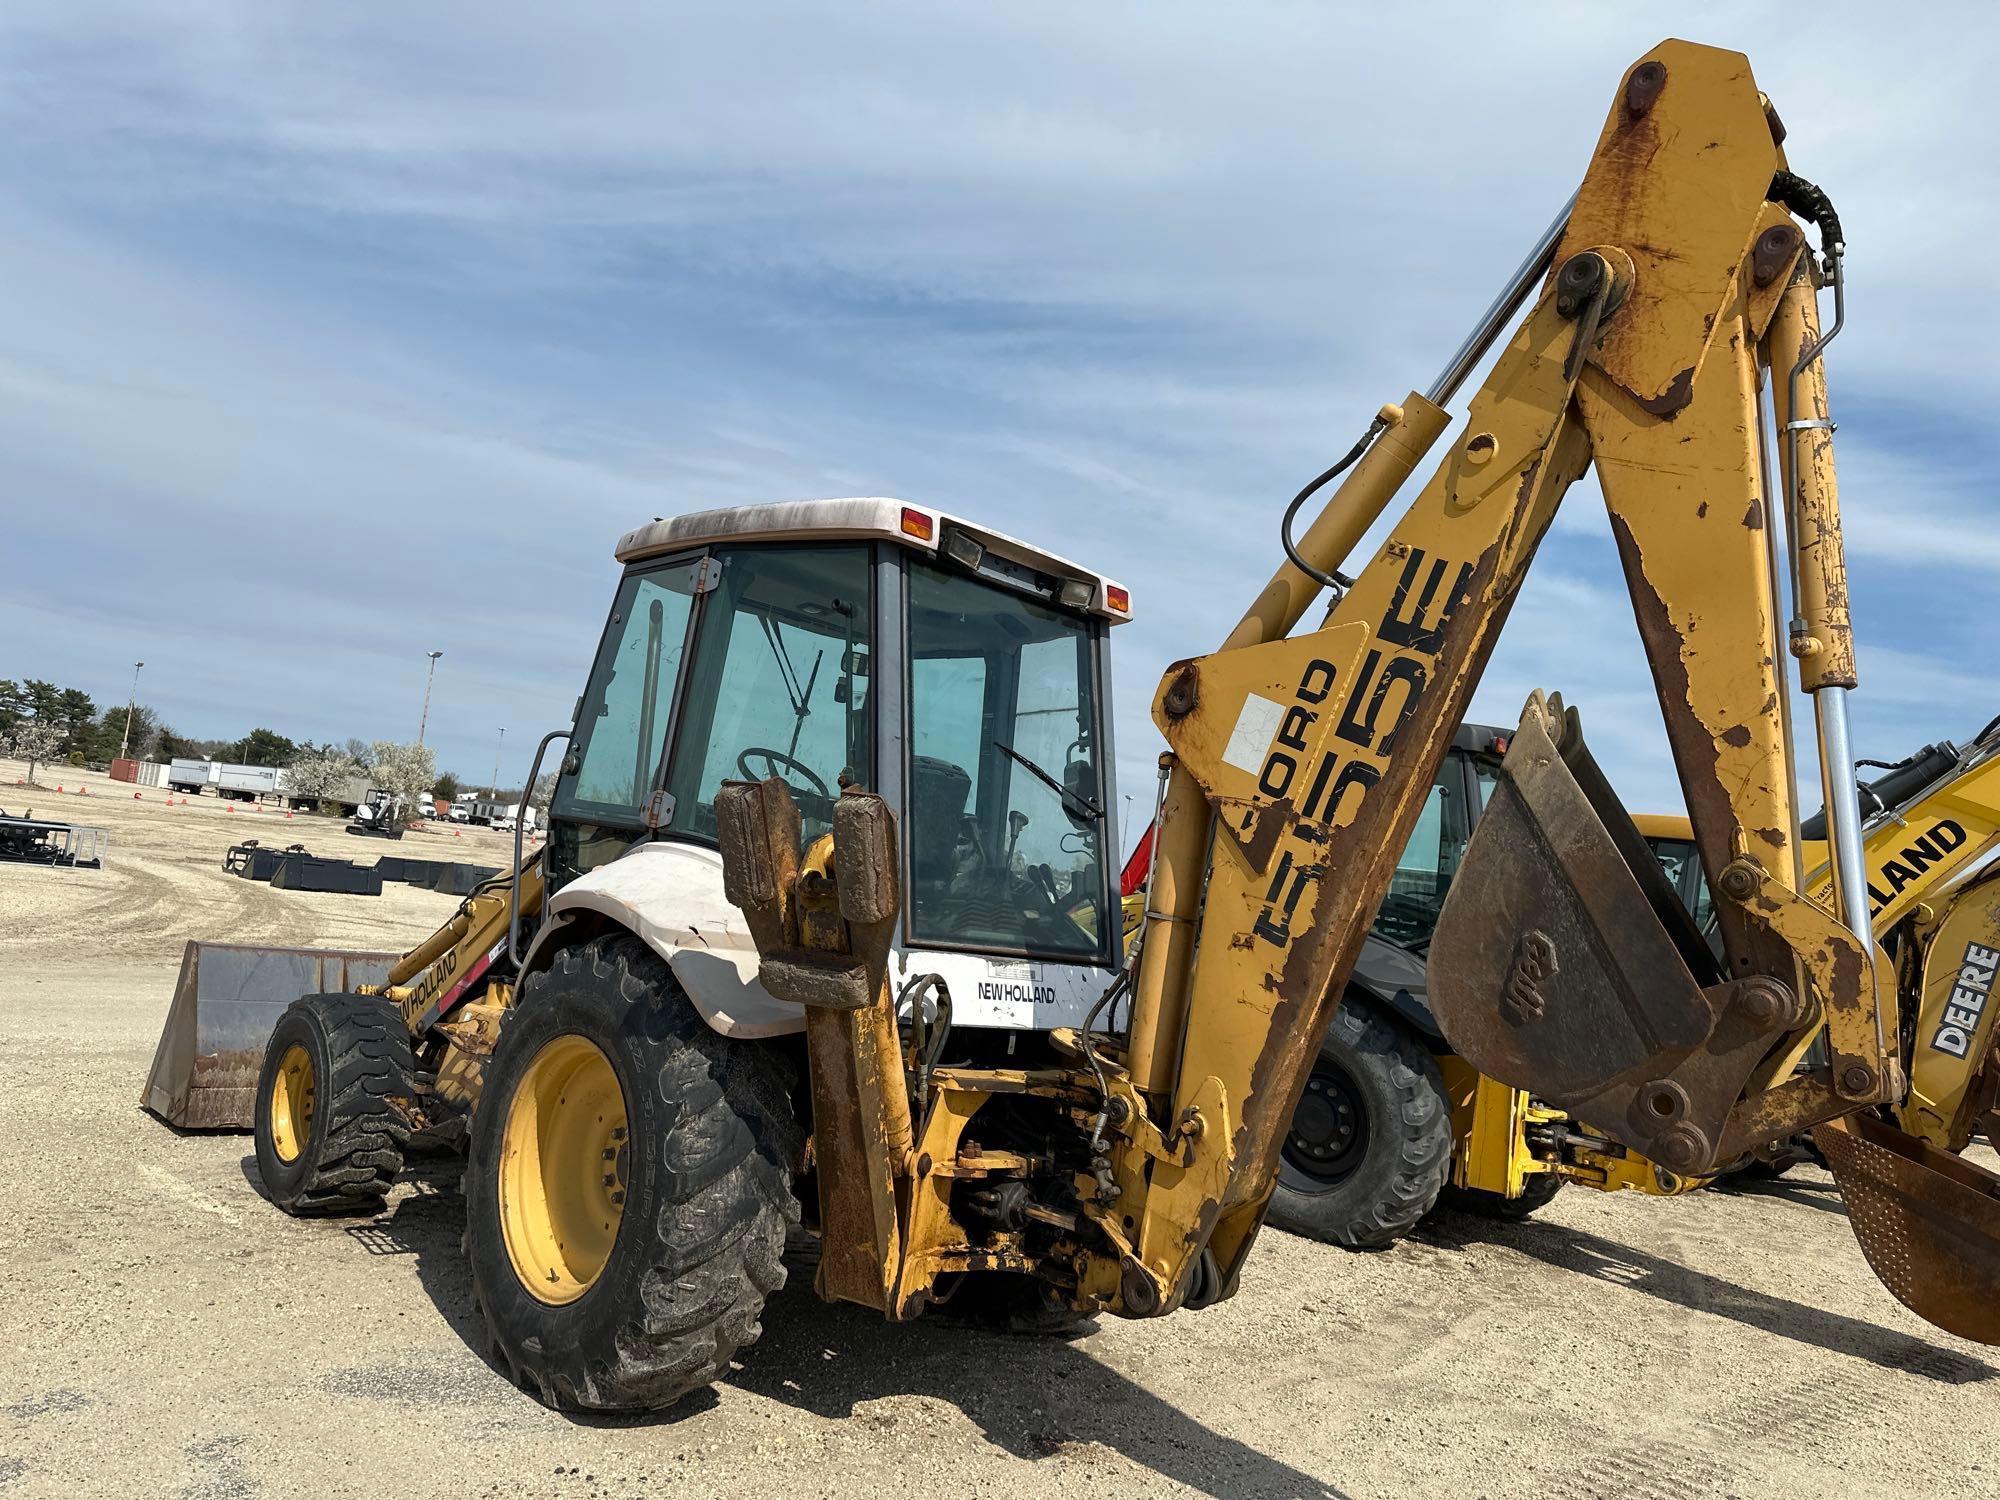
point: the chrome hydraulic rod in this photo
(1843, 809)
(1495, 319)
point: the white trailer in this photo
(188, 775)
(251, 783)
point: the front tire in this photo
(628, 1187)
(1369, 1147)
(329, 1128)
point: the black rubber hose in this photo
(1808, 201)
(1337, 581)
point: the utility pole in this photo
(131, 700)
(494, 789)
(424, 722)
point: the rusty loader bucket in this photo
(1928, 1222)
(204, 1074)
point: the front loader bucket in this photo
(229, 997)
(1928, 1222)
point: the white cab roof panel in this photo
(874, 518)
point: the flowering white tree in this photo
(406, 771)
(34, 740)
(321, 773)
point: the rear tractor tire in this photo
(607, 1091)
(330, 1126)
(1369, 1146)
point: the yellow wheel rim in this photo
(562, 1170)
(292, 1103)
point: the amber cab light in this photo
(918, 525)
(1118, 599)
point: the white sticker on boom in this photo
(1255, 728)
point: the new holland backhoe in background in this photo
(882, 735)
(1392, 1121)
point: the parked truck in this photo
(514, 814)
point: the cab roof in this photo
(920, 528)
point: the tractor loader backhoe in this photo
(829, 932)
(1562, 964)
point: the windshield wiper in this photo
(1090, 809)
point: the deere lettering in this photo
(1386, 689)
(1912, 860)
(1968, 1000)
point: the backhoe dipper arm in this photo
(1300, 764)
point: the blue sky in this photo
(331, 335)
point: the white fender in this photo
(670, 895)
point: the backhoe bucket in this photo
(1564, 964)
(229, 997)
(1928, 1222)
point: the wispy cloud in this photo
(330, 335)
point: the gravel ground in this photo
(165, 1331)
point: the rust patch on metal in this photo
(1644, 87)
(1263, 827)
(1773, 836)
(1695, 749)
(1737, 735)
(1847, 977)
(1667, 405)
(1753, 518)
(1527, 485)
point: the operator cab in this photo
(960, 673)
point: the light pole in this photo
(424, 722)
(494, 789)
(125, 743)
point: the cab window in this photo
(1005, 821)
(1423, 873)
(777, 684)
(621, 727)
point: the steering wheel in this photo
(775, 763)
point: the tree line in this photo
(43, 723)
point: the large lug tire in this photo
(1536, 1193)
(621, 1253)
(1369, 1147)
(330, 1127)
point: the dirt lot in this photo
(164, 1331)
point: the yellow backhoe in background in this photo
(881, 734)
(1392, 1122)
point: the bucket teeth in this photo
(1928, 1222)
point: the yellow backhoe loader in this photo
(881, 734)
